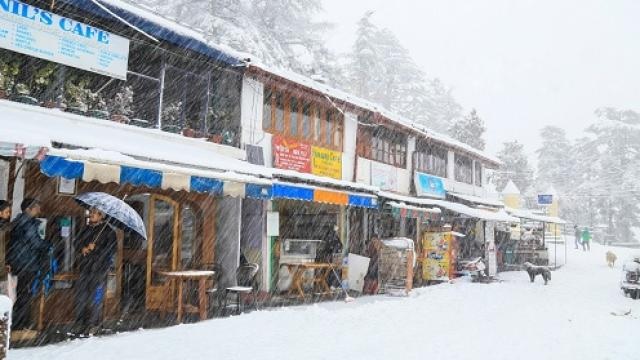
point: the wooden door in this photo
(163, 231)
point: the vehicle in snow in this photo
(630, 281)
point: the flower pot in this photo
(3, 94)
(76, 110)
(49, 104)
(123, 119)
(98, 114)
(189, 133)
(215, 139)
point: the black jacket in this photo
(331, 245)
(95, 265)
(26, 251)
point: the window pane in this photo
(306, 120)
(329, 128)
(337, 137)
(318, 128)
(266, 109)
(279, 126)
(293, 108)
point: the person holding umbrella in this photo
(96, 249)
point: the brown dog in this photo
(611, 259)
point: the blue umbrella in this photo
(114, 208)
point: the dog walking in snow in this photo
(534, 270)
(611, 259)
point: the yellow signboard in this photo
(437, 256)
(325, 162)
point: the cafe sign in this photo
(40, 33)
(300, 156)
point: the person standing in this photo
(97, 246)
(586, 238)
(27, 257)
(578, 236)
(331, 245)
(5, 228)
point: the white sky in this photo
(521, 64)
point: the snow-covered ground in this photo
(571, 318)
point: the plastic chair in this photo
(245, 276)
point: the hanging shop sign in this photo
(437, 256)
(40, 33)
(429, 185)
(545, 199)
(325, 162)
(384, 176)
(300, 156)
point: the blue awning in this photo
(364, 201)
(292, 192)
(154, 28)
(59, 166)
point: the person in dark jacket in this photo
(26, 257)
(330, 245)
(371, 278)
(97, 246)
(5, 228)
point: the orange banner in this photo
(330, 197)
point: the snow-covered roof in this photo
(499, 216)
(38, 123)
(511, 189)
(149, 22)
(530, 215)
(368, 105)
(478, 199)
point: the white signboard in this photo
(384, 176)
(273, 223)
(32, 31)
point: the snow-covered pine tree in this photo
(515, 167)
(555, 162)
(470, 130)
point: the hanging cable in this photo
(101, 6)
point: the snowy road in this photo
(568, 319)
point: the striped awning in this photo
(155, 176)
(322, 195)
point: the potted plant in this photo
(171, 117)
(23, 95)
(120, 106)
(98, 107)
(8, 73)
(41, 80)
(77, 97)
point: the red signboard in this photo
(291, 154)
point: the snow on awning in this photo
(477, 199)
(527, 214)
(51, 126)
(401, 205)
(499, 216)
(290, 191)
(106, 167)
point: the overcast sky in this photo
(521, 64)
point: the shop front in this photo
(181, 209)
(314, 223)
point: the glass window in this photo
(162, 237)
(328, 128)
(463, 172)
(188, 248)
(279, 104)
(337, 136)
(306, 120)
(266, 109)
(317, 114)
(293, 122)
(478, 172)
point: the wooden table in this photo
(187, 275)
(298, 270)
